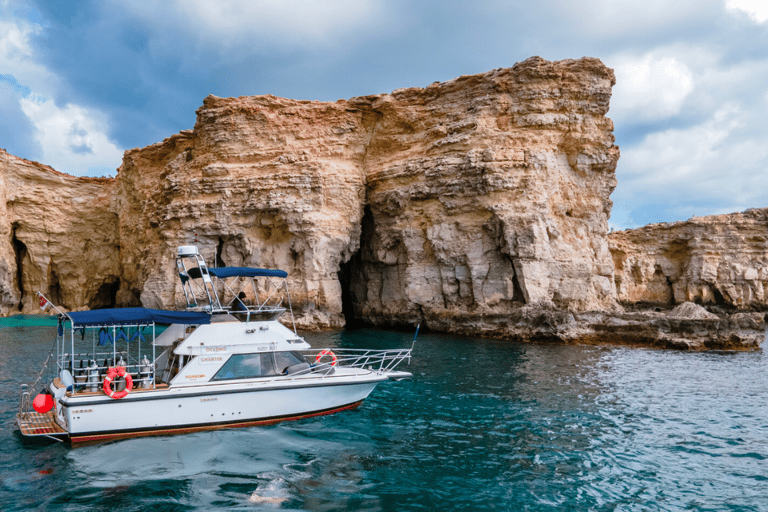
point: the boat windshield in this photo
(264, 364)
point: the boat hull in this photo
(176, 411)
(188, 429)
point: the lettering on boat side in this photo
(81, 411)
(208, 399)
(193, 376)
(210, 359)
(218, 350)
(263, 348)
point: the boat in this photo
(223, 361)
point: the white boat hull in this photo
(99, 418)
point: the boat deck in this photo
(99, 391)
(38, 424)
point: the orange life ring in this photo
(326, 352)
(117, 372)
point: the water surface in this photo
(483, 425)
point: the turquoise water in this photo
(28, 320)
(484, 425)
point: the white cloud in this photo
(677, 155)
(17, 55)
(72, 138)
(756, 9)
(243, 25)
(650, 87)
(710, 164)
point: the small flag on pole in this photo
(44, 304)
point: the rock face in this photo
(719, 260)
(475, 206)
(260, 181)
(486, 193)
(58, 236)
(463, 199)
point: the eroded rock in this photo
(58, 236)
(475, 206)
(719, 260)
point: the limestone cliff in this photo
(260, 181)
(715, 260)
(477, 206)
(58, 236)
(471, 197)
(486, 193)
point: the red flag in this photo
(44, 304)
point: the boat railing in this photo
(80, 365)
(381, 361)
(24, 402)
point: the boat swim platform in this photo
(34, 424)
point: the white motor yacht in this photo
(223, 362)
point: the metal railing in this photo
(24, 402)
(380, 361)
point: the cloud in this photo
(707, 168)
(756, 9)
(17, 134)
(17, 54)
(651, 87)
(691, 129)
(245, 26)
(72, 139)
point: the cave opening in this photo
(106, 296)
(219, 250)
(517, 290)
(518, 297)
(351, 279)
(346, 275)
(54, 287)
(20, 252)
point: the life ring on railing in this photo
(326, 352)
(117, 372)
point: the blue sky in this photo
(81, 82)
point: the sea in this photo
(483, 425)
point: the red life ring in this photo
(117, 372)
(326, 352)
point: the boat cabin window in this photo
(246, 366)
(249, 366)
(284, 360)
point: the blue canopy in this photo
(224, 272)
(136, 316)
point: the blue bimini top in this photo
(224, 272)
(136, 316)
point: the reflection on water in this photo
(483, 424)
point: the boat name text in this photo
(211, 359)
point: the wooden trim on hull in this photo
(187, 429)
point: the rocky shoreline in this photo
(642, 328)
(477, 206)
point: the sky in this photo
(81, 82)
